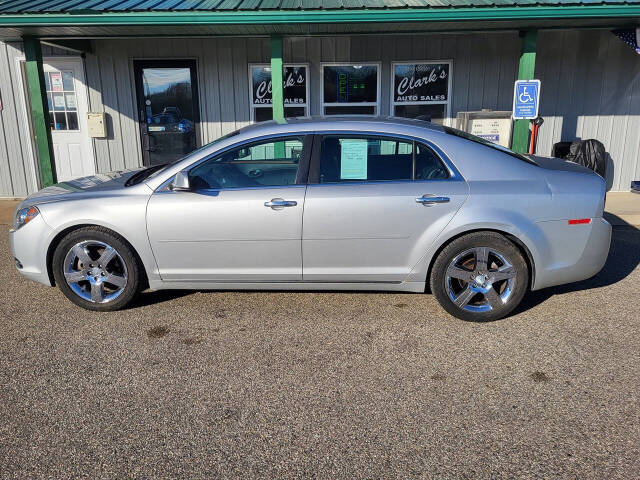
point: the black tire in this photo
(132, 278)
(457, 277)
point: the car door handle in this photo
(278, 203)
(428, 200)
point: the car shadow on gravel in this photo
(157, 297)
(624, 257)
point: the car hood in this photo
(102, 181)
(94, 184)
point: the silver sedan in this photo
(339, 204)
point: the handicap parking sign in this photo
(526, 98)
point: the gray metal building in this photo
(94, 65)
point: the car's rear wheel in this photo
(96, 269)
(481, 276)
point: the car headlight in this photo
(25, 215)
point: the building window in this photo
(421, 90)
(61, 96)
(350, 89)
(296, 92)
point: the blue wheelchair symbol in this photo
(526, 98)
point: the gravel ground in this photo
(322, 385)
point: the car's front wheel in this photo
(96, 269)
(481, 276)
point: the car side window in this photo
(361, 158)
(366, 158)
(271, 162)
(428, 164)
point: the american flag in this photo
(629, 36)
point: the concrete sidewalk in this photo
(7, 206)
(623, 208)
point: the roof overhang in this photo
(91, 24)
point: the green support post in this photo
(277, 85)
(526, 71)
(39, 109)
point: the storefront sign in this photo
(71, 101)
(350, 84)
(58, 102)
(421, 82)
(295, 85)
(56, 82)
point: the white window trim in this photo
(252, 106)
(447, 117)
(375, 104)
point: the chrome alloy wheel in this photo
(95, 271)
(480, 280)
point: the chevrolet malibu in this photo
(339, 204)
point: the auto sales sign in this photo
(294, 83)
(421, 82)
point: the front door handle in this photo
(428, 200)
(279, 203)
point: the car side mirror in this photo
(181, 182)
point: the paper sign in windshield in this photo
(353, 159)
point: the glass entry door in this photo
(168, 109)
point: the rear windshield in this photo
(487, 143)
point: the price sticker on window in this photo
(353, 159)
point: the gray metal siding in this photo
(16, 166)
(484, 70)
(590, 88)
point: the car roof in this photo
(353, 122)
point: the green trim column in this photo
(277, 86)
(526, 71)
(37, 92)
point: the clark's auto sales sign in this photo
(295, 85)
(421, 82)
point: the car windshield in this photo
(487, 143)
(154, 170)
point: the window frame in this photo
(316, 158)
(301, 175)
(392, 107)
(375, 104)
(252, 107)
(50, 93)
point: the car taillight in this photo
(579, 221)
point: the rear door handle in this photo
(428, 200)
(279, 203)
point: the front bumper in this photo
(573, 252)
(29, 248)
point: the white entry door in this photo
(67, 96)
